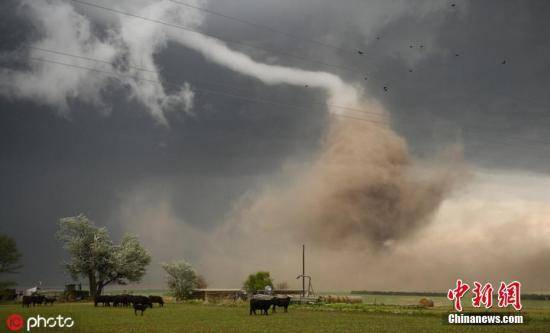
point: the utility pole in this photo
(303, 270)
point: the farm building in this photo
(218, 294)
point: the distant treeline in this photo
(542, 297)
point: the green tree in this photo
(9, 258)
(94, 255)
(258, 281)
(181, 279)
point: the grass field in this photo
(235, 318)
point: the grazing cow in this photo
(121, 300)
(104, 299)
(26, 301)
(49, 300)
(260, 303)
(126, 300)
(117, 300)
(141, 300)
(282, 301)
(156, 299)
(37, 299)
(139, 307)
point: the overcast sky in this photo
(74, 141)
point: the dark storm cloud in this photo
(56, 166)
(472, 98)
(497, 109)
(86, 162)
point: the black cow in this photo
(104, 299)
(37, 299)
(139, 307)
(282, 301)
(260, 303)
(26, 301)
(126, 300)
(121, 300)
(118, 300)
(141, 300)
(156, 299)
(49, 300)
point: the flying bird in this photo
(306, 86)
(410, 46)
(503, 62)
(456, 55)
(410, 70)
(360, 52)
(386, 89)
(365, 78)
(453, 5)
(377, 37)
(421, 46)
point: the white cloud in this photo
(62, 27)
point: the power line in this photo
(256, 100)
(499, 142)
(359, 111)
(261, 26)
(509, 140)
(88, 58)
(514, 140)
(177, 26)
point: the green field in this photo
(235, 318)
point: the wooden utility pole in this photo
(303, 270)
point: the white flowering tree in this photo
(94, 255)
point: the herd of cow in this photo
(127, 300)
(37, 300)
(139, 303)
(257, 302)
(264, 302)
